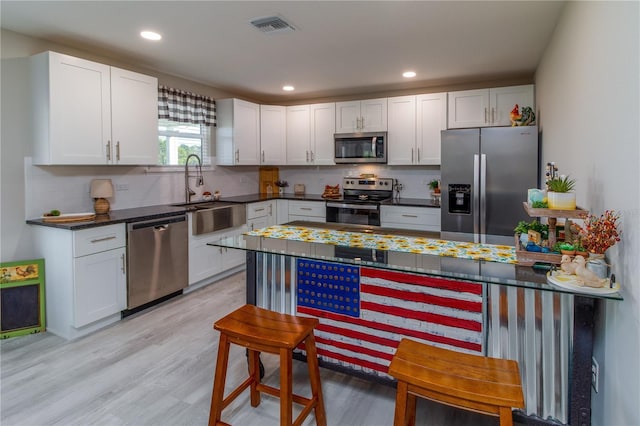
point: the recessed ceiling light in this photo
(150, 35)
(409, 74)
(288, 88)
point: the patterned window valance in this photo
(186, 107)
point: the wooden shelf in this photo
(578, 213)
(528, 258)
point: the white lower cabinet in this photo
(100, 286)
(282, 211)
(261, 214)
(206, 261)
(310, 211)
(86, 280)
(407, 217)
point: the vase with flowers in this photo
(281, 184)
(597, 236)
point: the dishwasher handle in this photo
(156, 223)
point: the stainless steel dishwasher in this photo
(157, 259)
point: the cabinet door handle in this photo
(118, 151)
(418, 156)
(263, 156)
(412, 155)
(259, 210)
(493, 115)
(108, 150)
(238, 155)
(361, 122)
(312, 157)
(409, 215)
(307, 156)
(123, 263)
(99, 240)
(305, 208)
(485, 115)
(270, 209)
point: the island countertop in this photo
(469, 262)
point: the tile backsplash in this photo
(66, 188)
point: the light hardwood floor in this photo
(156, 368)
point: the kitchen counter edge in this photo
(139, 214)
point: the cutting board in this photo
(70, 217)
(268, 176)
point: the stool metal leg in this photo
(217, 396)
(314, 378)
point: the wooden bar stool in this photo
(260, 330)
(477, 383)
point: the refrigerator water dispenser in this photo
(460, 198)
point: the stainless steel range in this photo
(360, 205)
(361, 198)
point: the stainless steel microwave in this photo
(368, 147)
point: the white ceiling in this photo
(338, 48)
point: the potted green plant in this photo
(435, 186)
(560, 194)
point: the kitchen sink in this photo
(212, 216)
(204, 205)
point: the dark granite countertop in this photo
(413, 202)
(117, 216)
(159, 211)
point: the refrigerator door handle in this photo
(483, 196)
(476, 197)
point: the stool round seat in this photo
(473, 382)
(261, 330)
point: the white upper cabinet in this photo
(134, 117)
(361, 116)
(310, 130)
(401, 136)
(414, 127)
(503, 99)
(273, 134)
(323, 127)
(90, 113)
(237, 133)
(487, 107)
(431, 120)
(298, 135)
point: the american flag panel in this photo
(393, 305)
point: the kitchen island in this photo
(370, 287)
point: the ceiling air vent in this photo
(272, 25)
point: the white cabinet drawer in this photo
(307, 208)
(101, 238)
(420, 218)
(261, 209)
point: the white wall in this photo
(588, 96)
(28, 191)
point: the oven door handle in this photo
(354, 206)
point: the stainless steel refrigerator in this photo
(485, 175)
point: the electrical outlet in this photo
(122, 187)
(595, 374)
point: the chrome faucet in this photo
(188, 192)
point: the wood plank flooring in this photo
(156, 368)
